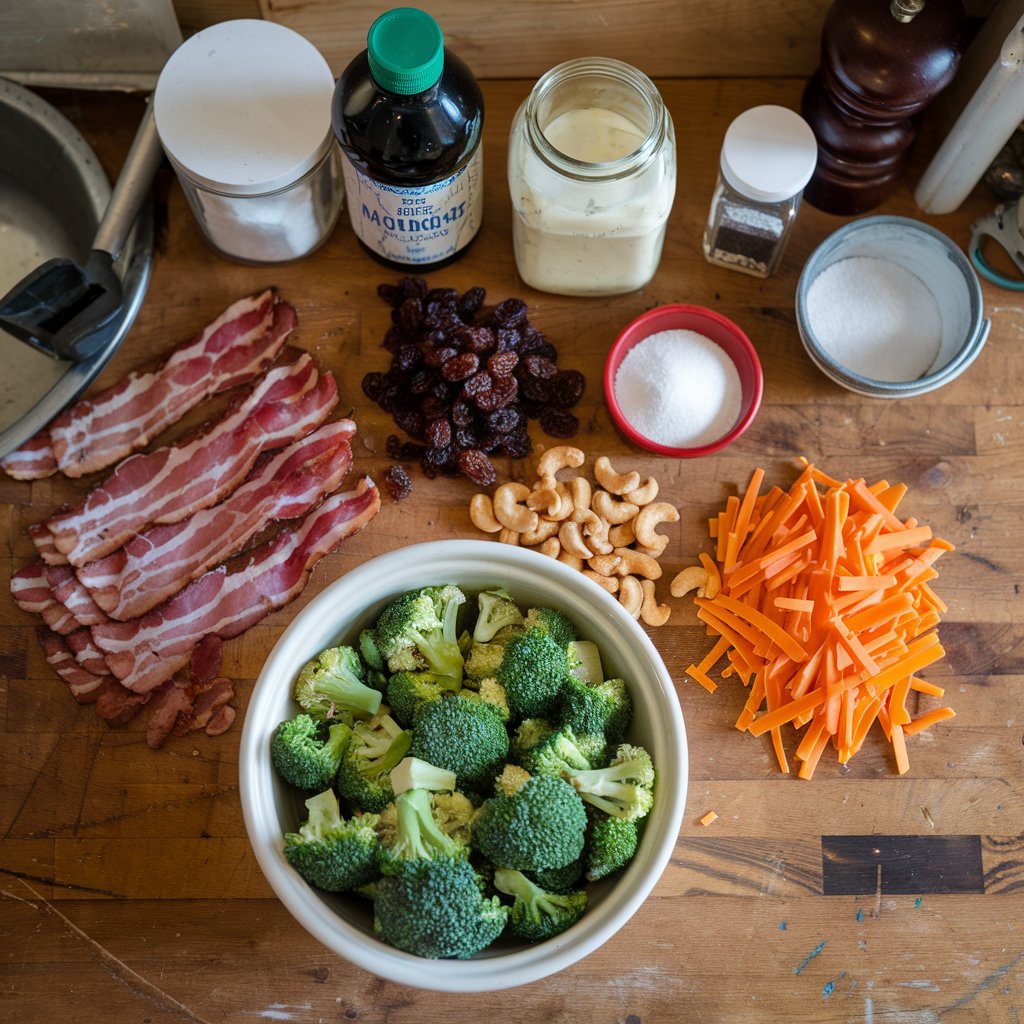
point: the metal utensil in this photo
(61, 308)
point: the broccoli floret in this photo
(585, 661)
(377, 680)
(604, 708)
(536, 913)
(369, 650)
(306, 753)
(491, 693)
(554, 623)
(496, 610)
(417, 834)
(533, 671)
(560, 879)
(594, 747)
(484, 660)
(611, 844)
(454, 814)
(332, 684)
(624, 789)
(375, 748)
(528, 733)
(554, 754)
(531, 823)
(463, 735)
(436, 908)
(418, 631)
(331, 853)
(407, 692)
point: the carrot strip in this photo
(760, 621)
(794, 604)
(866, 582)
(899, 539)
(899, 748)
(708, 819)
(926, 721)
(918, 684)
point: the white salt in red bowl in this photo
(866, 295)
(707, 388)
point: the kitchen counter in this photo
(129, 892)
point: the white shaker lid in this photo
(244, 107)
(769, 153)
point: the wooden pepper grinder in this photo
(882, 63)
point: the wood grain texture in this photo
(128, 890)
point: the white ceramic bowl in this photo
(936, 261)
(344, 923)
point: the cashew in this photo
(572, 540)
(508, 536)
(564, 507)
(605, 565)
(651, 612)
(651, 516)
(609, 583)
(581, 491)
(554, 459)
(644, 494)
(481, 513)
(551, 547)
(693, 577)
(571, 560)
(622, 535)
(509, 512)
(617, 483)
(631, 595)
(637, 563)
(595, 529)
(545, 529)
(544, 499)
(655, 552)
(607, 507)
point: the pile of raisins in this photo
(464, 383)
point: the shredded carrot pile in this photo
(821, 603)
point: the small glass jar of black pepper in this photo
(768, 156)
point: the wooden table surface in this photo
(129, 892)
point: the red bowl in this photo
(717, 328)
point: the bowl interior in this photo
(344, 923)
(715, 327)
(937, 263)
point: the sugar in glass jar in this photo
(592, 176)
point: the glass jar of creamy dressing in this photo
(592, 175)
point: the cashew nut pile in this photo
(606, 529)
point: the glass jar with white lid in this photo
(592, 175)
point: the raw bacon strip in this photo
(85, 687)
(156, 564)
(211, 711)
(96, 432)
(32, 594)
(87, 654)
(147, 651)
(32, 461)
(68, 591)
(43, 540)
(205, 665)
(167, 485)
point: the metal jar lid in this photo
(244, 107)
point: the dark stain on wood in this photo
(901, 865)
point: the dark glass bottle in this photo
(408, 115)
(882, 63)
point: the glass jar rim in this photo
(583, 170)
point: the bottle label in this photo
(418, 225)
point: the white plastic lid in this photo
(244, 106)
(769, 153)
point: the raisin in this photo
(465, 437)
(410, 420)
(477, 467)
(410, 314)
(438, 457)
(437, 356)
(507, 339)
(559, 423)
(539, 366)
(517, 446)
(393, 446)
(390, 293)
(479, 382)
(421, 381)
(438, 432)
(394, 339)
(501, 364)
(373, 383)
(459, 367)
(437, 296)
(506, 389)
(504, 421)
(412, 287)
(397, 482)
(462, 413)
(443, 390)
(567, 388)
(476, 339)
(487, 401)
(532, 339)
(432, 407)
(408, 357)
(535, 389)
(470, 302)
(510, 313)
(411, 451)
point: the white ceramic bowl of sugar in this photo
(889, 307)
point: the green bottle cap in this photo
(405, 49)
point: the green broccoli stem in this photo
(324, 815)
(443, 655)
(418, 835)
